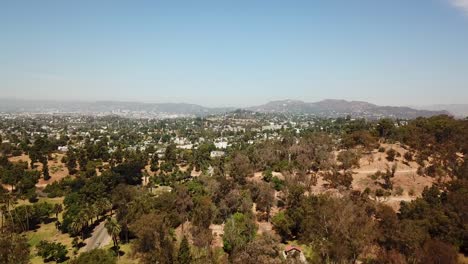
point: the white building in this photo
(221, 145)
(216, 154)
(187, 146)
(62, 148)
(271, 127)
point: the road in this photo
(99, 238)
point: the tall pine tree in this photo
(184, 256)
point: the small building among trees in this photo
(294, 252)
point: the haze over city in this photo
(236, 53)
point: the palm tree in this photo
(94, 212)
(107, 205)
(78, 225)
(113, 228)
(87, 214)
(103, 205)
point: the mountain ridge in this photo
(339, 107)
(323, 108)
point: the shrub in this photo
(52, 251)
(399, 191)
(367, 191)
(379, 192)
(408, 156)
(349, 159)
(101, 256)
(277, 183)
(391, 153)
(16, 153)
(267, 175)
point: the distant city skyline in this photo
(236, 53)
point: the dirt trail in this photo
(99, 238)
(375, 170)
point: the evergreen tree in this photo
(45, 169)
(154, 163)
(184, 256)
(71, 162)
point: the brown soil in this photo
(57, 169)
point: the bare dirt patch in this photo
(218, 232)
(57, 169)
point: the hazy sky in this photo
(237, 53)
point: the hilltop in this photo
(329, 108)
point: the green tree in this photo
(114, 229)
(338, 228)
(265, 199)
(360, 138)
(283, 224)
(434, 252)
(71, 162)
(97, 256)
(154, 163)
(154, 242)
(202, 216)
(28, 217)
(45, 169)
(263, 249)
(349, 159)
(103, 205)
(391, 154)
(21, 180)
(14, 248)
(240, 168)
(337, 178)
(58, 208)
(78, 225)
(201, 156)
(239, 230)
(82, 160)
(52, 251)
(170, 155)
(385, 128)
(184, 256)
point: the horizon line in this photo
(202, 105)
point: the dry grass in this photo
(127, 258)
(57, 169)
(47, 232)
(406, 176)
(462, 259)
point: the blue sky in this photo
(236, 53)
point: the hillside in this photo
(340, 108)
(327, 108)
(458, 110)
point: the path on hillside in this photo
(401, 198)
(99, 238)
(375, 170)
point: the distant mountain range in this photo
(339, 108)
(458, 110)
(325, 108)
(107, 107)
